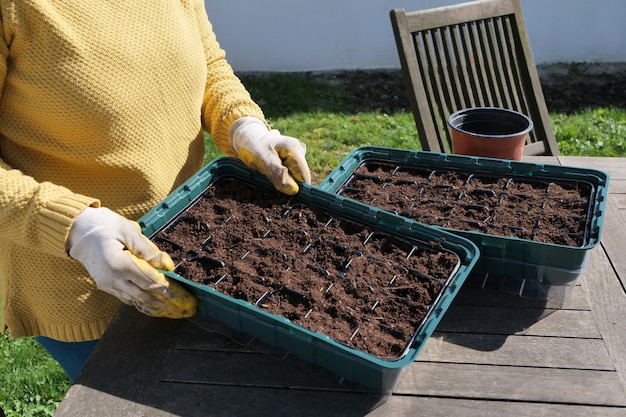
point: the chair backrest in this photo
(474, 54)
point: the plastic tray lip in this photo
(465, 250)
(179, 200)
(417, 159)
(409, 155)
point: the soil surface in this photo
(568, 88)
(362, 287)
(541, 210)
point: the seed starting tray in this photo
(521, 259)
(248, 314)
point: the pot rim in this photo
(490, 110)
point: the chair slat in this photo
(468, 55)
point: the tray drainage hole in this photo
(280, 254)
(175, 245)
(477, 207)
(393, 331)
(481, 191)
(294, 293)
(337, 245)
(237, 238)
(319, 269)
(206, 260)
(472, 223)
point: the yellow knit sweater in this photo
(101, 102)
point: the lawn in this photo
(331, 121)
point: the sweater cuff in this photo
(220, 135)
(56, 219)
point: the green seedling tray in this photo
(241, 317)
(551, 264)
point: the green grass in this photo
(592, 132)
(327, 118)
(31, 383)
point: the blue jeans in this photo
(70, 355)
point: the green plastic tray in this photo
(367, 371)
(515, 258)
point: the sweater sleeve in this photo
(37, 215)
(33, 214)
(225, 98)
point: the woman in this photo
(102, 108)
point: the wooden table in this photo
(493, 354)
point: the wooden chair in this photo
(470, 55)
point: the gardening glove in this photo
(280, 158)
(123, 262)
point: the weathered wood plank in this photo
(615, 167)
(613, 242)
(545, 160)
(620, 202)
(82, 401)
(503, 320)
(198, 400)
(617, 187)
(147, 375)
(246, 369)
(453, 407)
(194, 400)
(565, 386)
(608, 300)
(472, 295)
(547, 352)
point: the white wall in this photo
(299, 35)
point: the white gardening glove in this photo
(121, 260)
(280, 158)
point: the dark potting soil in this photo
(362, 287)
(535, 209)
